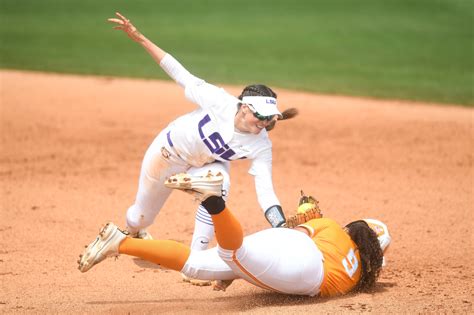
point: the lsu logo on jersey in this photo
(214, 141)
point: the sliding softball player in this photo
(318, 257)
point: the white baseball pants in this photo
(279, 259)
(159, 163)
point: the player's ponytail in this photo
(371, 255)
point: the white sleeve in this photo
(207, 95)
(262, 170)
(177, 72)
(196, 90)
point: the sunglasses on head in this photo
(259, 116)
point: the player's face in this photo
(254, 123)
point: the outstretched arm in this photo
(124, 24)
(170, 65)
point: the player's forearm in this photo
(268, 200)
(170, 65)
(155, 52)
(264, 188)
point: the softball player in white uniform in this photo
(223, 128)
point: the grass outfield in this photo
(406, 49)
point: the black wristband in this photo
(275, 216)
(214, 204)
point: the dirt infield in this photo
(70, 157)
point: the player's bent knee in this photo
(136, 219)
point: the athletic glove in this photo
(308, 209)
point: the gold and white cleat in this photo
(201, 187)
(105, 245)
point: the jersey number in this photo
(214, 142)
(350, 263)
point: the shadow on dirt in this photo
(241, 302)
(146, 264)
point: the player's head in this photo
(258, 108)
(260, 102)
(371, 254)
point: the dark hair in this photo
(371, 254)
(257, 90)
(263, 90)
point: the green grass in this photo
(405, 49)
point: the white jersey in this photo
(208, 134)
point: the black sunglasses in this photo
(259, 116)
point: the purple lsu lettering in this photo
(214, 142)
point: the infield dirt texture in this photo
(71, 149)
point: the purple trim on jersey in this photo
(169, 138)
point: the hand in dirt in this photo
(125, 25)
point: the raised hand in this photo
(124, 24)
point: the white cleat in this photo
(201, 187)
(105, 245)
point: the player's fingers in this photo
(121, 16)
(118, 28)
(115, 21)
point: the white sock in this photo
(203, 230)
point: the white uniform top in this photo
(208, 133)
